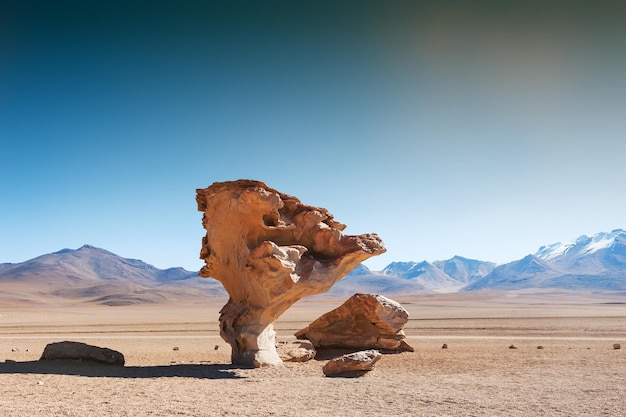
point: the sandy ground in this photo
(577, 373)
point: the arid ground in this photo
(578, 371)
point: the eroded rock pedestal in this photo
(269, 250)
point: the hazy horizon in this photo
(483, 130)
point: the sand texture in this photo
(578, 372)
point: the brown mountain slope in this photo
(94, 275)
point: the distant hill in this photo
(528, 272)
(91, 274)
(361, 279)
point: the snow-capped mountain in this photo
(441, 276)
(424, 273)
(465, 270)
(584, 246)
(595, 262)
(603, 254)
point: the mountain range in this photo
(91, 274)
(589, 263)
(94, 275)
(586, 263)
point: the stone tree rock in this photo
(364, 321)
(269, 250)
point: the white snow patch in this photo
(583, 245)
(555, 251)
(598, 242)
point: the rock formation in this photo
(298, 351)
(269, 250)
(352, 364)
(364, 321)
(82, 351)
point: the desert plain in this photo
(177, 364)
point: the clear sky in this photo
(482, 129)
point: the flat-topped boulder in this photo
(364, 321)
(269, 250)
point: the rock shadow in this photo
(95, 369)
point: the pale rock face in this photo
(352, 364)
(364, 321)
(269, 250)
(298, 351)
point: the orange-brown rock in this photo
(352, 364)
(364, 321)
(269, 250)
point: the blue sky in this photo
(448, 128)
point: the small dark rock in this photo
(176, 348)
(216, 347)
(539, 347)
(444, 346)
(617, 346)
(512, 347)
(80, 351)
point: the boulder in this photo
(269, 250)
(298, 351)
(352, 364)
(364, 321)
(82, 351)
